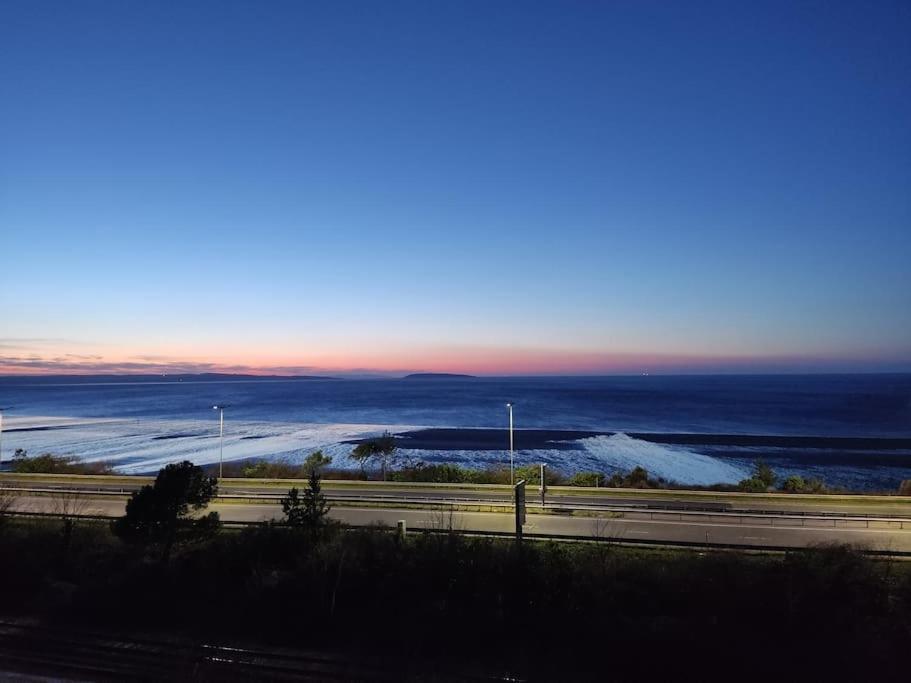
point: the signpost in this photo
(543, 482)
(520, 508)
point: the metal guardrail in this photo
(694, 494)
(623, 541)
(626, 512)
(564, 538)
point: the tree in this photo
(317, 461)
(382, 448)
(308, 512)
(761, 479)
(161, 513)
(638, 478)
(764, 473)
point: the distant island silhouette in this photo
(438, 375)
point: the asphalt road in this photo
(719, 528)
(557, 497)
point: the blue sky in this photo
(487, 187)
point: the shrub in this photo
(586, 479)
(797, 484)
(532, 475)
(437, 474)
(48, 463)
(636, 479)
(761, 479)
(794, 484)
(752, 485)
(278, 469)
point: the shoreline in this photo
(468, 438)
(142, 446)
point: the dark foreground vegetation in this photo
(443, 601)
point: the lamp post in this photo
(512, 462)
(221, 437)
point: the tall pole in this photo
(512, 462)
(221, 437)
(543, 482)
(221, 441)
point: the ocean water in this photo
(688, 429)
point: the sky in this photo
(481, 186)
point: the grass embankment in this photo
(548, 611)
(762, 482)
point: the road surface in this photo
(569, 497)
(755, 531)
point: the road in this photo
(653, 527)
(564, 496)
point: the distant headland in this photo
(159, 378)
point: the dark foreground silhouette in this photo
(441, 606)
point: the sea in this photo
(851, 431)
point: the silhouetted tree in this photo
(382, 448)
(161, 512)
(308, 512)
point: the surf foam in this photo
(673, 463)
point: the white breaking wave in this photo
(143, 445)
(673, 463)
(135, 446)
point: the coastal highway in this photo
(576, 498)
(776, 531)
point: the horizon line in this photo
(451, 375)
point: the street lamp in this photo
(221, 436)
(512, 462)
